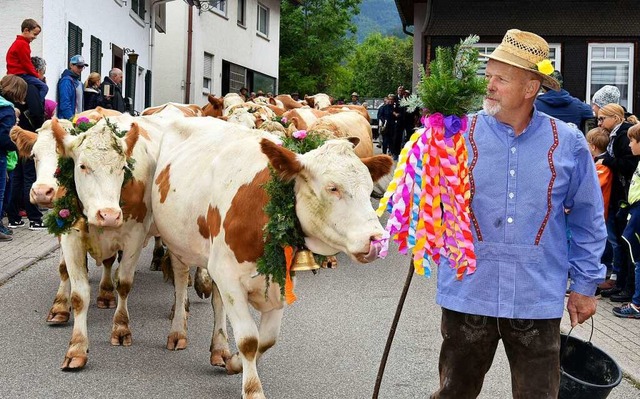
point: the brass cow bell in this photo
(303, 261)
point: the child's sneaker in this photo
(628, 311)
(36, 225)
(15, 225)
(5, 230)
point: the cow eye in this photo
(83, 167)
(333, 189)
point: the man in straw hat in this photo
(526, 168)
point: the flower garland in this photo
(67, 210)
(282, 233)
(428, 198)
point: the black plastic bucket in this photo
(587, 372)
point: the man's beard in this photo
(491, 107)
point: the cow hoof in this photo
(176, 341)
(121, 336)
(219, 358)
(106, 302)
(233, 364)
(74, 363)
(56, 318)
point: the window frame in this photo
(206, 88)
(266, 24)
(138, 7)
(628, 101)
(242, 13)
(218, 7)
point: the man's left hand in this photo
(580, 307)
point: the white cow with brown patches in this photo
(42, 147)
(99, 162)
(219, 223)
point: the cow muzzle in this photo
(372, 252)
(109, 217)
(42, 194)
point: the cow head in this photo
(332, 188)
(100, 158)
(42, 147)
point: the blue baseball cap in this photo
(78, 60)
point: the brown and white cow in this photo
(319, 101)
(208, 202)
(347, 124)
(42, 147)
(188, 110)
(100, 159)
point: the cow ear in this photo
(378, 165)
(212, 99)
(60, 135)
(131, 138)
(283, 161)
(24, 140)
(354, 140)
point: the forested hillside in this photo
(378, 16)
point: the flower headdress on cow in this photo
(428, 198)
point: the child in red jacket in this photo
(19, 57)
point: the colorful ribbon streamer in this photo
(428, 198)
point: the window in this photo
(487, 48)
(263, 20)
(74, 40)
(611, 64)
(237, 78)
(95, 60)
(263, 82)
(242, 10)
(207, 73)
(219, 6)
(138, 7)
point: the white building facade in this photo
(107, 33)
(234, 44)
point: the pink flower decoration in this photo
(64, 213)
(436, 120)
(284, 120)
(82, 119)
(299, 134)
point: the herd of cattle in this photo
(197, 187)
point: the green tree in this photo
(380, 64)
(315, 38)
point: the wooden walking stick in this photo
(392, 331)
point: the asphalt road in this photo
(330, 345)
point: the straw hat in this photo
(527, 51)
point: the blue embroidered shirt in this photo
(525, 243)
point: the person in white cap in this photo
(526, 169)
(354, 99)
(70, 88)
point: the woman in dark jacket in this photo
(24, 175)
(12, 89)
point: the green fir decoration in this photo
(453, 86)
(67, 210)
(283, 227)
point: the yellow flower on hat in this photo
(545, 67)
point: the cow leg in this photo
(75, 257)
(59, 312)
(203, 283)
(158, 252)
(178, 334)
(246, 333)
(120, 332)
(106, 298)
(270, 323)
(219, 341)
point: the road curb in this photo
(25, 262)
